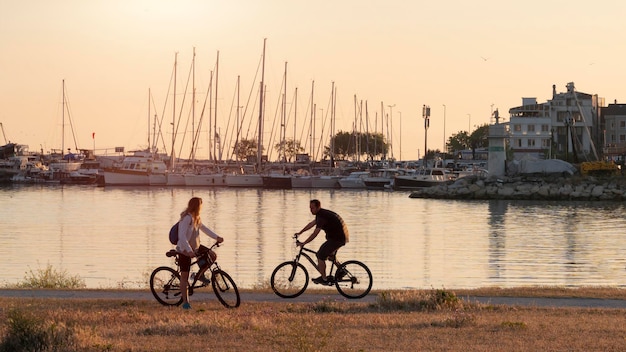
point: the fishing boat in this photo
(382, 178)
(141, 169)
(425, 177)
(355, 180)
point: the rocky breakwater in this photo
(530, 188)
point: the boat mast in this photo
(259, 152)
(193, 109)
(284, 118)
(217, 136)
(63, 120)
(172, 156)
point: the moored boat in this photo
(355, 180)
(141, 169)
(426, 177)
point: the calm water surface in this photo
(114, 237)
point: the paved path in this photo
(310, 297)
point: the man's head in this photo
(315, 206)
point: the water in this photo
(114, 237)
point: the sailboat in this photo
(61, 168)
(244, 179)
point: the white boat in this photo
(140, 169)
(355, 179)
(301, 181)
(382, 178)
(205, 180)
(244, 180)
(426, 177)
(176, 178)
(324, 181)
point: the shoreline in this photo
(541, 187)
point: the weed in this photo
(27, 333)
(418, 300)
(51, 278)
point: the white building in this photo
(567, 126)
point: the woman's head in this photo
(194, 205)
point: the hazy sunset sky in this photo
(471, 56)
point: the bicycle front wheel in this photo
(225, 289)
(165, 286)
(356, 281)
(289, 279)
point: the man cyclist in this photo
(336, 236)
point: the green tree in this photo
(245, 148)
(289, 148)
(479, 139)
(345, 145)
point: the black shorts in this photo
(184, 262)
(327, 248)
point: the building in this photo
(568, 126)
(614, 116)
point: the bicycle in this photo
(290, 279)
(165, 281)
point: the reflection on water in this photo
(115, 236)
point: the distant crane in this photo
(3, 135)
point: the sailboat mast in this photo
(259, 153)
(217, 136)
(172, 156)
(284, 118)
(193, 109)
(63, 122)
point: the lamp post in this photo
(426, 117)
(391, 134)
(469, 123)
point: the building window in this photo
(518, 142)
(531, 142)
(622, 138)
(531, 128)
(622, 124)
(545, 143)
(545, 128)
(517, 128)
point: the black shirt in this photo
(333, 225)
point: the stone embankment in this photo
(530, 188)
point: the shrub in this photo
(51, 278)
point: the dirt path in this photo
(308, 297)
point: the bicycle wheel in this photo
(289, 279)
(225, 289)
(165, 286)
(357, 281)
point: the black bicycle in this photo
(290, 279)
(165, 281)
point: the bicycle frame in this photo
(303, 252)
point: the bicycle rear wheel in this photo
(165, 286)
(356, 281)
(289, 279)
(225, 289)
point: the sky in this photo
(463, 59)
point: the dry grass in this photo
(433, 320)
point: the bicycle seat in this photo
(171, 253)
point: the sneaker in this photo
(340, 274)
(186, 306)
(205, 280)
(320, 281)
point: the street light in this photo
(426, 116)
(391, 134)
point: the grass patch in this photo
(51, 278)
(431, 300)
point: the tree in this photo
(479, 139)
(345, 145)
(289, 148)
(245, 148)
